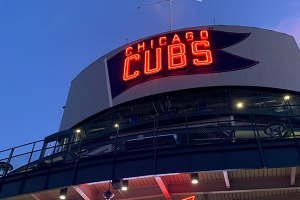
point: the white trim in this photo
(108, 83)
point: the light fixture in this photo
(78, 130)
(286, 97)
(63, 193)
(116, 184)
(194, 178)
(116, 125)
(239, 105)
(124, 185)
(120, 184)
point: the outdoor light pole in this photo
(170, 13)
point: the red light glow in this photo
(169, 53)
(162, 41)
(189, 36)
(152, 44)
(197, 52)
(128, 60)
(190, 198)
(128, 51)
(176, 39)
(176, 56)
(204, 35)
(141, 47)
(158, 67)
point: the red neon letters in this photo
(158, 67)
(177, 50)
(126, 73)
(206, 54)
(176, 60)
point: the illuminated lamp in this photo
(194, 178)
(120, 184)
(63, 193)
(286, 97)
(77, 131)
(239, 105)
(116, 125)
(124, 185)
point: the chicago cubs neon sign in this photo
(187, 52)
(176, 53)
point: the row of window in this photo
(203, 101)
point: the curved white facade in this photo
(277, 58)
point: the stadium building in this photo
(202, 113)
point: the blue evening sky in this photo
(44, 44)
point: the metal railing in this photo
(164, 132)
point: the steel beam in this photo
(293, 175)
(85, 192)
(226, 179)
(163, 188)
(35, 197)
